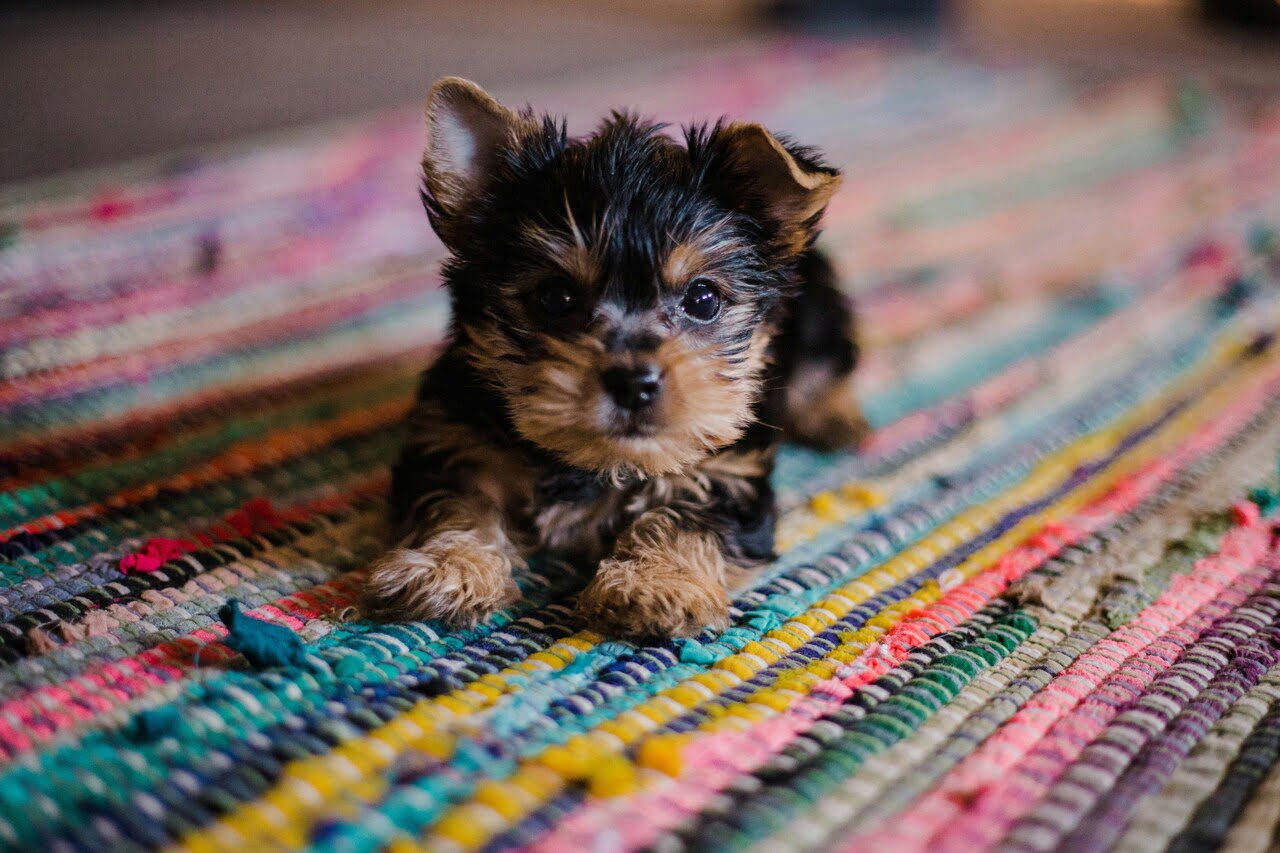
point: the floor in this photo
(88, 84)
(96, 83)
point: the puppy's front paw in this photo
(834, 422)
(458, 576)
(649, 598)
(826, 415)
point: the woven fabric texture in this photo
(1040, 610)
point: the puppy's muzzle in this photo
(633, 388)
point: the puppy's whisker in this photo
(578, 239)
(590, 401)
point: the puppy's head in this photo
(619, 291)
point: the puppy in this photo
(637, 323)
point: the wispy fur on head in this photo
(638, 316)
(625, 218)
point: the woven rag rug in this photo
(1040, 610)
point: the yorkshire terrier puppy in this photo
(637, 323)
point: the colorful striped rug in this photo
(1040, 611)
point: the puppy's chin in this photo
(619, 451)
(558, 403)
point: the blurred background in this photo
(90, 83)
(1062, 230)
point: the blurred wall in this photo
(88, 83)
(1161, 35)
(93, 83)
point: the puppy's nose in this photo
(633, 388)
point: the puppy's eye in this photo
(701, 301)
(555, 298)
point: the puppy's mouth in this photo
(635, 425)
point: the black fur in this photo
(636, 194)
(629, 166)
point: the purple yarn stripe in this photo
(1142, 746)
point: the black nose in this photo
(633, 388)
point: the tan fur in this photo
(465, 129)
(499, 475)
(706, 402)
(583, 530)
(823, 411)
(665, 570)
(662, 581)
(586, 529)
(575, 258)
(797, 195)
(732, 471)
(460, 576)
(456, 564)
(699, 254)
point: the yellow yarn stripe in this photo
(851, 500)
(353, 772)
(597, 759)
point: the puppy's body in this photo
(637, 323)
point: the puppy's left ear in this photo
(467, 132)
(791, 184)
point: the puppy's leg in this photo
(451, 495)
(816, 354)
(667, 578)
(455, 565)
(671, 571)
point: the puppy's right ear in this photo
(467, 130)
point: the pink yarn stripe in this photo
(995, 811)
(714, 760)
(38, 715)
(965, 796)
(305, 256)
(993, 395)
(169, 353)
